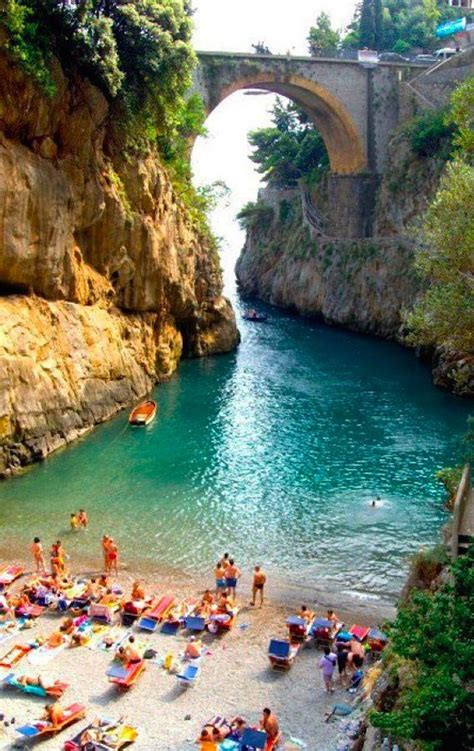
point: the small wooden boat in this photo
(143, 414)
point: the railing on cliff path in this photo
(310, 213)
(462, 534)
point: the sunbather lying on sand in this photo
(26, 680)
(54, 714)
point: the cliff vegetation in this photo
(108, 272)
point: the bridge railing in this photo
(460, 503)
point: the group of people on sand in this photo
(57, 556)
(227, 575)
(79, 520)
(212, 735)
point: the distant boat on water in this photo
(143, 414)
(252, 315)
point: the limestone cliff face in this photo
(360, 284)
(364, 285)
(105, 282)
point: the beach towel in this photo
(45, 654)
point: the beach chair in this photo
(321, 630)
(104, 612)
(56, 689)
(253, 740)
(114, 735)
(29, 611)
(10, 574)
(221, 622)
(157, 613)
(282, 653)
(360, 632)
(14, 655)
(125, 676)
(133, 610)
(195, 623)
(188, 676)
(298, 628)
(377, 642)
(71, 714)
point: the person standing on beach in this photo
(219, 575)
(269, 723)
(112, 556)
(82, 519)
(38, 556)
(232, 575)
(104, 543)
(327, 664)
(259, 580)
(73, 521)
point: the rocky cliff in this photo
(105, 281)
(362, 284)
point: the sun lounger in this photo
(133, 610)
(71, 714)
(298, 628)
(376, 640)
(125, 676)
(254, 739)
(195, 623)
(282, 653)
(29, 611)
(219, 622)
(56, 689)
(14, 656)
(157, 613)
(322, 632)
(104, 612)
(112, 735)
(10, 574)
(360, 632)
(188, 675)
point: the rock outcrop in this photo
(105, 280)
(359, 284)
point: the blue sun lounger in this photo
(116, 671)
(253, 740)
(195, 623)
(147, 624)
(189, 675)
(282, 653)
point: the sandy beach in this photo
(235, 676)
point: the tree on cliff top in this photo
(445, 314)
(398, 25)
(138, 52)
(322, 35)
(290, 150)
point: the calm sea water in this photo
(274, 453)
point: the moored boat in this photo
(143, 414)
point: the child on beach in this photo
(82, 519)
(327, 664)
(219, 575)
(74, 522)
(38, 556)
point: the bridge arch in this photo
(344, 143)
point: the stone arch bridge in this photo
(355, 106)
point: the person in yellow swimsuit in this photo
(73, 521)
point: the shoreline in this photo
(282, 593)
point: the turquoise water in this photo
(274, 453)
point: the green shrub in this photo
(430, 135)
(432, 636)
(255, 215)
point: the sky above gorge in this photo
(234, 25)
